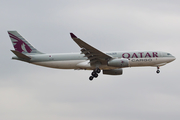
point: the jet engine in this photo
(119, 62)
(113, 72)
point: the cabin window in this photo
(168, 54)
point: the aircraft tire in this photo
(96, 75)
(158, 71)
(91, 78)
(93, 73)
(98, 70)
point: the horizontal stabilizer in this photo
(20, 55)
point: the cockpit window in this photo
(168, 54)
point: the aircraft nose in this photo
(173, 58)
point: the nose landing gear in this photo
(94, 74)
(158, 71)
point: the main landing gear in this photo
(94, 74)
(158, 71)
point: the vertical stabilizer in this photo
(21, 45)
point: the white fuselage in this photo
(78, 61)
(90, 58)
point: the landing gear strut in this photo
(94, 74)
(158, 71)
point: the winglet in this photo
(72, 35)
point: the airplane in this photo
(90, 58)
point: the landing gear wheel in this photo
(98, 70)
(91, 78)
(158, 71)
(96, 75)
(93, 73)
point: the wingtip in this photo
(72, 35)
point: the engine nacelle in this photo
(119, 62)
(113, 72)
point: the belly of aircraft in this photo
(84, 64)
(71, 64)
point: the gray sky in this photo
(33, 92)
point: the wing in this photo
(94, 55)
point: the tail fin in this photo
(21, 45)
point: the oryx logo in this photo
(19, 44)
